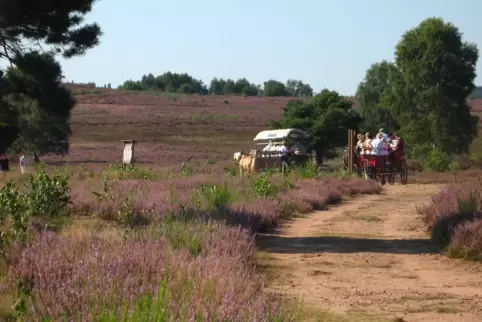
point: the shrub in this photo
(467, 241)
(216, 196)
(47, 195)
(262, 186)
(453, 218)
(437, 161)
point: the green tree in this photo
(326, 118)
(229, 87)
(298, 88)
(216, 86)
(372, 94)
(274, 88)
(35, 107)
(438, 70)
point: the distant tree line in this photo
(186, 84)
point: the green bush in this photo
(262, 186)
(307, 171)
(437, 161)
(216, 196)
(47, 195)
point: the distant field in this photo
(171, 128)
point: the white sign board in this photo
(128, 155)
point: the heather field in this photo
(90, 240)
(454, 219)
(142, 244)
(171, 128)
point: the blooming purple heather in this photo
(196, 267)
(454, 216)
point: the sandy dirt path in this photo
(370, 259)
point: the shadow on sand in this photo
(275, 243)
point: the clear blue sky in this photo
(324, 43)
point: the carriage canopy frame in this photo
(297, 135)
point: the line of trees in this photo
(423, 94)
(186, 84)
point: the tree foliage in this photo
(35, 107)
(424, 93)
(298, 88)
(228, 86)
(274, 88)
(167, 82)
(372, 94)
(326, 118)
(438, 70)
(186, 84)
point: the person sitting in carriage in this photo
(359, 149)
(397, 147)
(359, 145)
(367, 143)
(385, 135)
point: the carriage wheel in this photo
(404, 172)
(391, 179)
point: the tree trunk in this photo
(36, 159)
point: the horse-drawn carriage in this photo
(268, 150)
(272, 158)
(381, 168)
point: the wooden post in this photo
(351, 141)
(128, 152)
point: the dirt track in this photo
(369, 259)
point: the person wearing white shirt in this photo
(376, 145)
(383, 145)
(268, 147)
(283, 149)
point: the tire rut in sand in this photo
(370, 259)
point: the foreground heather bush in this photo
(445, 226)
(458, 198)
(453, 219)
(87, 276)
(467, 241)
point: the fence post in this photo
(351, 140)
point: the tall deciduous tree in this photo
(326, 118)
(438, 70)
(35, 107)
(372, 95)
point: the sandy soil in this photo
(370, 259)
